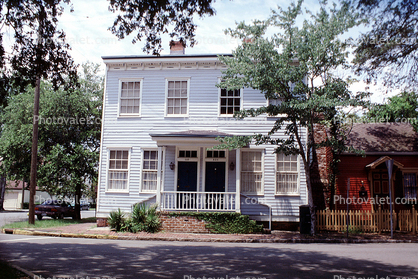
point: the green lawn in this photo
(48, 223)
(8, 272)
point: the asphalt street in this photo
(50, 257)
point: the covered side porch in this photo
(192, 177)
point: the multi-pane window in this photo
(150, 170)
(177, 97)
(130, 95)
(252, 172)
(215, 154)
(410, 185)
(287, 174)
(118, 170)
(230, 101)
(187, 154)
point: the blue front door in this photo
(186, 182)
(215, 177)
(187, 176)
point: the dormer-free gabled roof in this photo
(387, 138)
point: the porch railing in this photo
(198, 201)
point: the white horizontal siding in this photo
(134, 132)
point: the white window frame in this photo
(241, 91)
(156, 170)
(108, 170)
(141, 81)
(277, 193)
(262, 151)
(167, 80)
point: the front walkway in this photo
(90, 230)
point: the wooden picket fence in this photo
(367, 221)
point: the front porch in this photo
(195, 177)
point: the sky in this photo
(87, 31)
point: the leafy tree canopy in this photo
(294, 70)
(151, 19)
(400, 108)
(69, 138)
(389, 51)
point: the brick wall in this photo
(101, 222)
(182, 224)
(320, 174)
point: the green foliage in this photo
(143, 218)
(8, 272)
(296, 67)
(48, 223)
(39, 47)
(153, 18)
(389, 51)
(116, 220)
(400, 108)
(225, 222)
(69, 135)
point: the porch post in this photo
(158, 198)
(238, 180)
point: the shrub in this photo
(146, 218)
(225, 222)
(143, 218)
(116, 220)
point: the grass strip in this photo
(8, 272)
(48, 223)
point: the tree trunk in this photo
(2, 191)
(34, 158)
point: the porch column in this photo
(158, 198)
(238, 180)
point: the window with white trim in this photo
(410, 185)
(130, 97)
(230, 101)
(177, 97)
(287, 174)
(150, 170)
(118, 170)
(252, 171)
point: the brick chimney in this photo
(177, 48)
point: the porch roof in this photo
(381, 160)
(202, 137)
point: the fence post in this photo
(379, 219)
(414, 220)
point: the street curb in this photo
(248, 240)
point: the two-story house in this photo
(160, 116)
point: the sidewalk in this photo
(90, 230)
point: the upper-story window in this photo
(130, 97)
(177, 97)
(230, 101)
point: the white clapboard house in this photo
(160, 116)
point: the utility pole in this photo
(34, 157)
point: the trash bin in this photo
(304, 219)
